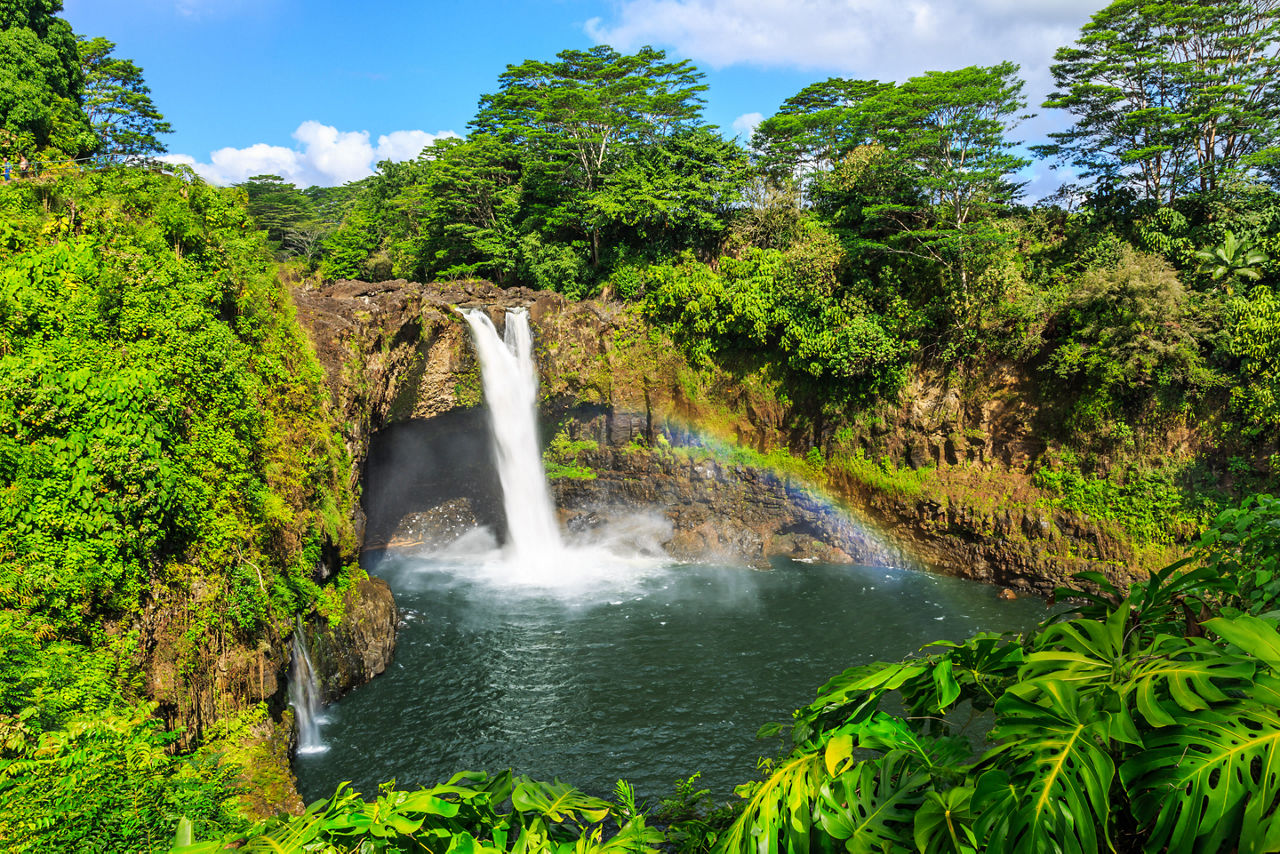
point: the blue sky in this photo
(319, 90)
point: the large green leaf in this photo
(1211, 781)
(1254, 636)
(557, 801)
(870, 806)
(943, 823)
(1049, 788)
(1187, 674)
(779, 812)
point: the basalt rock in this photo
(398, 353)
(358, 647)
(734, 512)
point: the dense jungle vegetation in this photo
(167, 455)
(868, 229)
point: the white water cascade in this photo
(304, 696)
(510, 379)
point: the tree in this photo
(41, 82)
(118, 103)
(676, 194)
(948, 132)
(816, 127)
(460, 219)
(573, 117)
(1170, 97)
(277, 206)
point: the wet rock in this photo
(435, 528)
(738, 513)
(360, 645)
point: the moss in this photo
(406, 399)
(883, 476)
(258, 749)
(560, 459)
(469, 390)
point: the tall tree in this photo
(276, 206)
(1170, 97)
(118, 103)
(817, 126)
(574, 115)
(950, 129)
(41, 83)
(460, 219)
(948, 132)
(676, 194)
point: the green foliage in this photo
(460, 217)
(1244, 544)
(817, 127)
(1150, 505)
(41, 82)
(107, 783)
(883, 476)
(163, 436)
(1169, 96)
(676, 194)
(160, 410)
(1253, 323)
(1233, 260)
(117, 103)
(785, 302)
(1131, 330)
(464, 815)
(560, 459)
(1120, 728)
(292, 219)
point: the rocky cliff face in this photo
(360, 645)
(715, 508)
(397, 353)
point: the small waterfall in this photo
(304, 695)
(510, 382)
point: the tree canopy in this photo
(1168, 97)
(41, 82)
(117, 103)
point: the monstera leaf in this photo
(1183, 674)
(1211, 781)
(1168, 675)
(1050, 785)
(557, 802)
(944, 822)
(1154, 606)
(870, 807)
(779, 812)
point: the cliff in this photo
(950, 487)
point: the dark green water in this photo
(648, 673)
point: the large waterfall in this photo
(510, 379)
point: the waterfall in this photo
(304, 695)
(510, 382)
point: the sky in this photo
(319, 91)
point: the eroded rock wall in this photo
(398, 352)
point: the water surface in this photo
(648, 672)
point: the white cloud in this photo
(889, 39)
(745, 125)
(324, 155)
(870, 39)
(881, 39)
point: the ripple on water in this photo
(637, 669)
